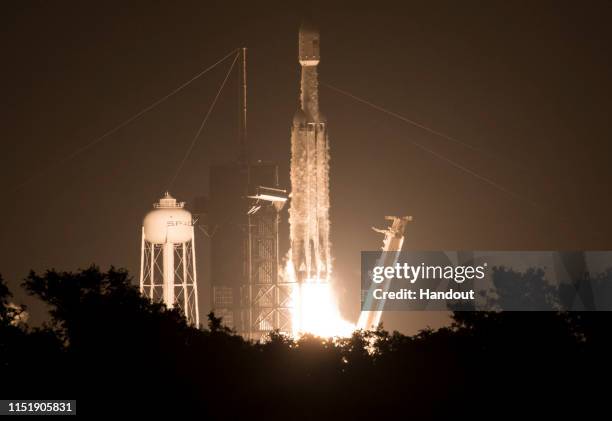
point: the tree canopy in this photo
(110, 348)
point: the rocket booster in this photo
(309, 211)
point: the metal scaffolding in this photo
(264, 297)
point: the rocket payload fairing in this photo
(309, 211)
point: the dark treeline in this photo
(112, 350)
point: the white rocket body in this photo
(309, 210)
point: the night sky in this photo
(527, 84)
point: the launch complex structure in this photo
(243, 217)
(245, 203)
(251, 289)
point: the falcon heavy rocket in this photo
(309, 211)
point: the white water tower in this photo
(167, 259)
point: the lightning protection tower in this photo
(167, 259)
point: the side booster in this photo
(309, 210)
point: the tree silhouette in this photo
(112, 349)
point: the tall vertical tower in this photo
(167, 259)
(243, 216)
(309, 211)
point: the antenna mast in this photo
(243, 115)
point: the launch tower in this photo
(243, 215)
